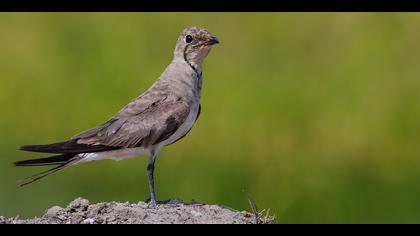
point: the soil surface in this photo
(80, 211)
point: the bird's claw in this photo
(152, 203)
(170, 202)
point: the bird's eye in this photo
(188, 39)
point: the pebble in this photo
(88, 221)
(53, 212)
(196, 213)
(79, 204)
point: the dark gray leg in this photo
(150, 171)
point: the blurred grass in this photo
(315, 114)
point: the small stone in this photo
(2, 220)
(99, 209)
(196, 213)
(53, 212)
(88, 221)
(79, 204)
(142, 203)
(110, 219)
(77, 219)
(62, 217)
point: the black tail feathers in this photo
(54, 160)
(48, 148)
(61, 162)
(67, 147)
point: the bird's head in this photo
(194, 44)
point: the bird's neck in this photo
(182, 80)
(195, 67)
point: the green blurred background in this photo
(317, 115)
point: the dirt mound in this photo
(80, 211)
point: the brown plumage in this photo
(162, 115)
(152, 125)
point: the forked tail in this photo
(61, 162)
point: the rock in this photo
(80, 211)
(78, 219)
(79, 204)
(195, 213)
(88, 221)
(53, 212)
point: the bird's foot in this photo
(169, 202)
(175, 201)
(152, 203)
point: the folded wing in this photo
(150, 126)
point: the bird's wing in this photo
(133, 127)
(136, 106)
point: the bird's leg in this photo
(150, 171)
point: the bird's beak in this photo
(212, 40)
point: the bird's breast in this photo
(186, 126)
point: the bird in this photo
(159, 117)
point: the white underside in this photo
(118, 155)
